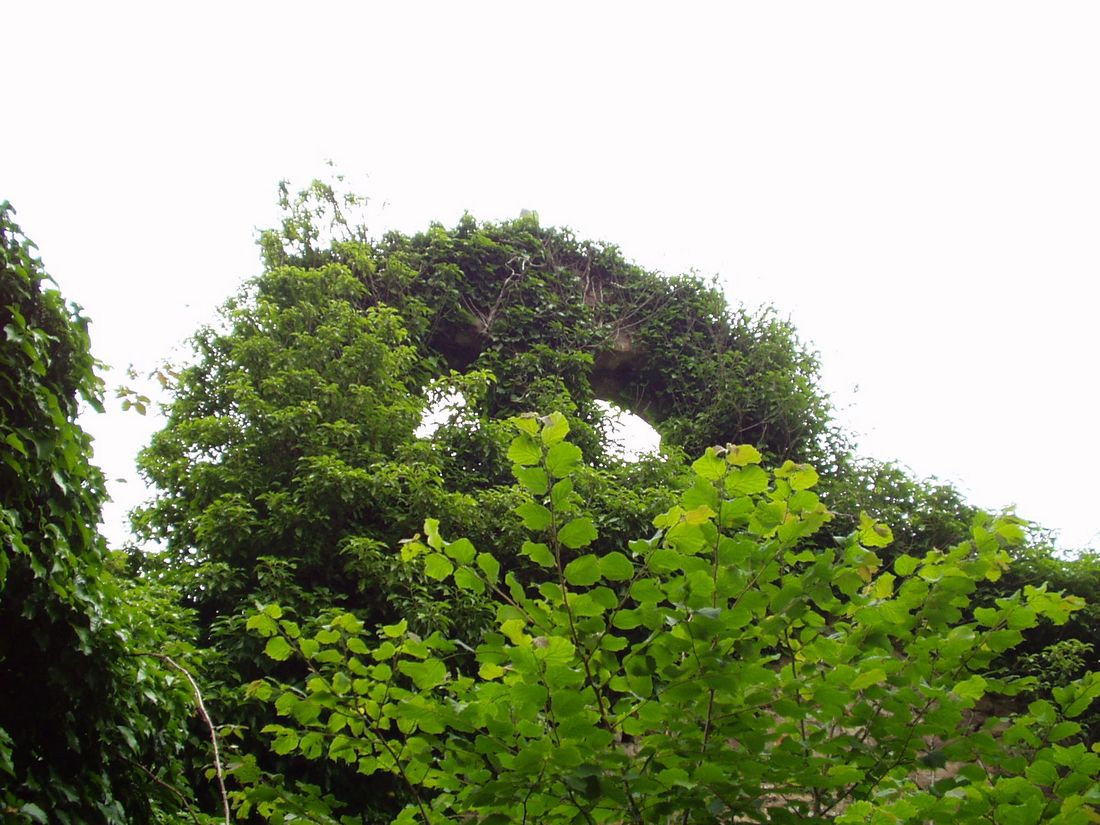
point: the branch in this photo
(209, 724)
(172, 788)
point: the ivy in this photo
(90, 732)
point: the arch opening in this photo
(627, 435)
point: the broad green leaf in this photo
(277, 648)
(709, 466)
(425, 675)
(562, 459)
(263, 624)
(747, 481)
(1043, 772)
(538, 553)
(393, 631)
(34, 812)
(664, 561)
(798, 476)
(874, 533)
(461, 550)
(555, 428)
(560, 494)
(1062, 730)
(699, 515)
(767, 516)
(740, 455)
(489, 566)
(647, 591)
(577, 533)
(524, 451)
(535, 516)
(528, 423)
(437, 566)
(972, 688)
(490, 671)
(905, 565)
(533, 479)
(616, 567)
(583, 571)
(868, 678)
(467, 579)
(514, 629)
(627, 619)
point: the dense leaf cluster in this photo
(87, 728)
(718, 671)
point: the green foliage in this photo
(560, 322)
(290, 470)
(722, 670)
(89, 731)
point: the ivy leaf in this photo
(583, 571)
(577, 533)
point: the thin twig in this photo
(169, 786)
(209, 724)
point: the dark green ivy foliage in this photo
(89, 731)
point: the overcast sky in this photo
(917, 185)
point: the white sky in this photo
(916, 185)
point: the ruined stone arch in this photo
(562, 321)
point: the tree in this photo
(89, 730)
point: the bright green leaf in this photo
(562, 459)
(580, 532)
(277, 648)
(616, 567)
(583, 571)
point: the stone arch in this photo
(564, 321)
